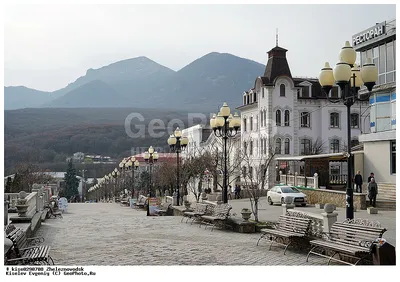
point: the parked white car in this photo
(277, 194)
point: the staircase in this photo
(386, 198)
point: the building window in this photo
(251, 172)
(245, 147)
(305, 146)
(265, 146)
(287, 146)
(335, 170)
(251, 148)
(255, 96)
(278, 147)
(287, 117)
(244, 124)
(282, 90)
(335, 146)
(305, 92)
(305, 119)
(261, 116)
(334, 120)
(334, 92)
(244, 99)
(354, 120)
(393, 157)
(265, 117)
(244, 172)
(262, 146)
(251, 123)
(278, 117)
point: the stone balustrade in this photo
(299, 180)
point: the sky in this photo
(48, 46)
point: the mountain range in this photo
(142, 83)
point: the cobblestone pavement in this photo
(109, 234)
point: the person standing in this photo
(372, 192)
(371, 175)
(358, 181)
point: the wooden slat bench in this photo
(141, 203)
(350, 240)
(124, 202)
(27, 242)
(164, 209)
(289, 230)
(218, 217)
(51, 213)
(25, 254)
(199, 210)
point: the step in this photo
(385, 205)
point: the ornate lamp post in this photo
(150, 158)
(349, 78)
(225, 126)
(177, 143)
(132, 165)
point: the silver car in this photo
(277, 194)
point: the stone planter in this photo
(21, 205)
(187, 204)
(246, 214)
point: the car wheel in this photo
(282, 201)
(303, 205)
(270, 201)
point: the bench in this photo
(199, 210)
(51, 213)
(164, 209)
(31, 241)
(141, 203)
(26, 254)
(216, 216)
(349, 240)
(124, 202)
(289, 230)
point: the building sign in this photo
(369, 34)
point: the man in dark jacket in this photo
(370, 176)
(372, 192)
(358, 181)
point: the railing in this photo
(298, 180)
(338, 178)
(310, 181)
(31, 201)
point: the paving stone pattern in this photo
(109, 234)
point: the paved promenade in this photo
(109, 234)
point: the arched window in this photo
(335, 146)
(354, 120)
(335, 120)
(278, 147)
(244, 172)
(261, 117)
(287, 146)
(265, 117)
(278, 117)
(287, 117)
(262, 146)
(244, 124)
(282, 90)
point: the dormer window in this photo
(282, 90)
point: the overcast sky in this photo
(49, 46)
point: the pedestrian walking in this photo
(236, 189)
(371, 175)
(372, 192)
(231, 191)
(358, 181)
(239, 189)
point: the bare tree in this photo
(256, 174)
(27, 175)
(317, 147)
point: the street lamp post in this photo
(349, 77)
(177, 143)
(132, 165)
(150, 158)
(225, 125)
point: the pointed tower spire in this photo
(276, 36)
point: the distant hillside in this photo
(16, 97)
(49, 135)
(140, 82)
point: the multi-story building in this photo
(292, 116)
(379, 43)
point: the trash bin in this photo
(383, 254)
